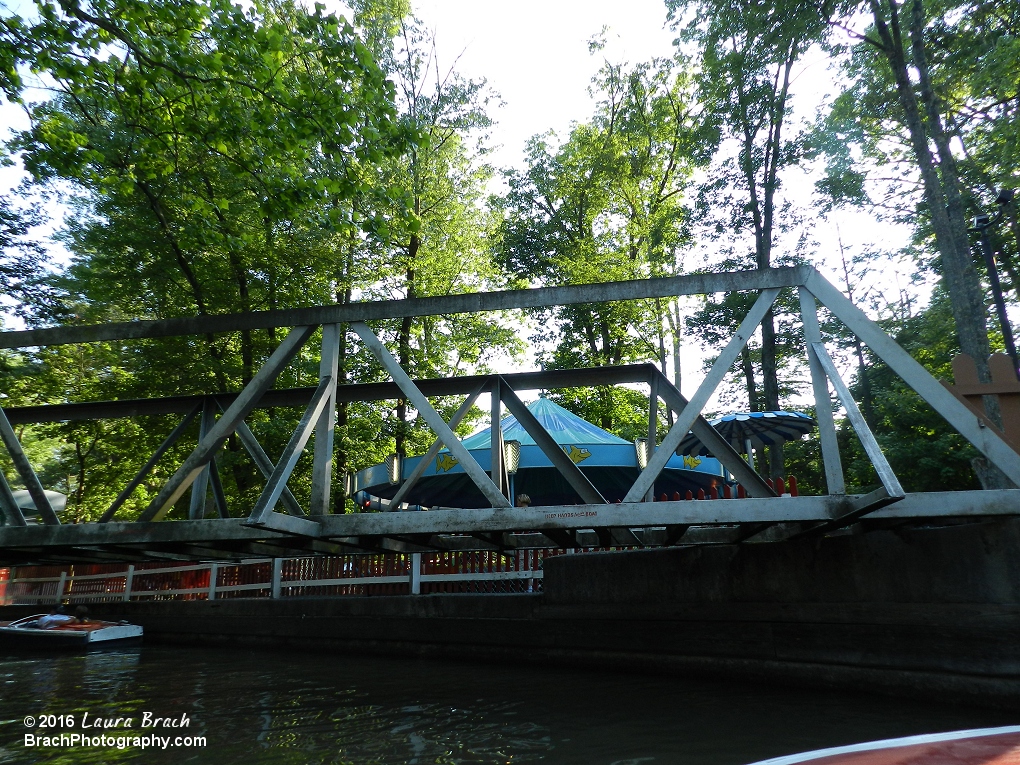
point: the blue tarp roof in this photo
(565, 427)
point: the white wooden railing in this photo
(413, 574)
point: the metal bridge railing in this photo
(368, 574)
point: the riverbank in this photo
(932, 613)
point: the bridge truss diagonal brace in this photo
(266, 466)
(274, 486)
(9, 505)
(890, 482)
(135, 482)
(474, 471)
(730, 459)
(433, 452)
(24, 468)
(571, 472)
(200, 488)
(687, 416)
(998, 452)
(227, 424)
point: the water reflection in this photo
(303, 707)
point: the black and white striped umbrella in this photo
(746, 430)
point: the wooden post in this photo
(60, 586)
(214, 571)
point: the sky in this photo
(534, 54)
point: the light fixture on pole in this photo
(512, 460)
(393, 468)
(641, 447)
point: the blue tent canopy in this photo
(752, 429)
(564, 426)
(608, 461)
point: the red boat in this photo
(984, 746)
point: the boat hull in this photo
(986, 746)
(86, 636)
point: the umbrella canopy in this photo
(756, 429)
(608, 461)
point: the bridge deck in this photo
(618, 525)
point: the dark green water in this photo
(302, 707)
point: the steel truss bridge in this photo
(277, 525)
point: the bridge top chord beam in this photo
(473, 302)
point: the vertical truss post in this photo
(834, 481)
(200, 488)
(322, 466)
(433, 452)
(418, 400)
(496, 436)
(235, 413)
(9, 505)
(24, 468)
(685, 418)
(653, 430)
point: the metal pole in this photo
(129, 579)
(277, 577)
(415, 576)
(214, 572)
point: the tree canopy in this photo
(228, 157)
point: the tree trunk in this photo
(752, 389)
(940, 179)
